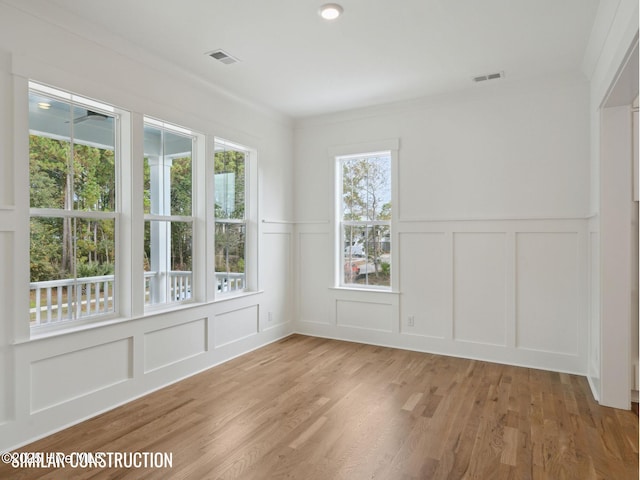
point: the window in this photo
(168, 198)
(73, 207)
(88, 213)
(230, 177)
(364, 220)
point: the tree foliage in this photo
(231, 162)
(67, 177)
(230, 238)
(366, 198)
(180, 203)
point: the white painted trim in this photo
(296, 222)
(496, 218)
(420, 343)
(615, 256)
(142, 394)
(364, 148)
(594, 391)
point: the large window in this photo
(168, 197)
(364, 220)
(73, 206)
(119, 233)
(231, 173)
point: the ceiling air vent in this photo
(223, 57)
(488, 76)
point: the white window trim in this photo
(129, 217)
(197, 156)
(250, 220)
(121, 118)
(339, 152)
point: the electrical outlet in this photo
(411, 321)
(270, 317)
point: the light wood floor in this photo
(309, 408)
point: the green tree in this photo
(366, 198)
(66, 178)
(230, 238)
(181, 199)
(232, 161)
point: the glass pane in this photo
(167, 172)
(152, 153)
(94, 254)
(230, 173)
(84, 182)
(93, 128)
(366, 188)
(72, 268)
(94, 178)
(49, 152)
(167, 262)
(49, 173)
(49, 237)
(367, 255)
(181, 186)
(230, 256)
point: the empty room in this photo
(295, 239)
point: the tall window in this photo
(231, 173)
(73, 206)
(364, 205)
(168, 193)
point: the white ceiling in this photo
(379, 51)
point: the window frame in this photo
(249, 222)
(129, 216)
(169, 218)
(74, 100)
(390, 148)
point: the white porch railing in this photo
(59, 300)
(230, 282)
(178, 286)
(56, 301)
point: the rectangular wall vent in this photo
(223, 57)
(488, 76)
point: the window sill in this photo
(364, 290)
(224, 297)
(45, 332)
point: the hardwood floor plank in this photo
(412, 401)
(318, 409)
(315, 426)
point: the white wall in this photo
(52, 382)
(491, 225)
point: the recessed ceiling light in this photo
(44, 105)
(330, 11)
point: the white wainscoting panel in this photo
(510, 290)
(424, 268)
(173, 344)
(314, 271)
(235, 325)
(547, 292)
(68, 376)
(479, 287)
(276, 276)
(364, 314)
